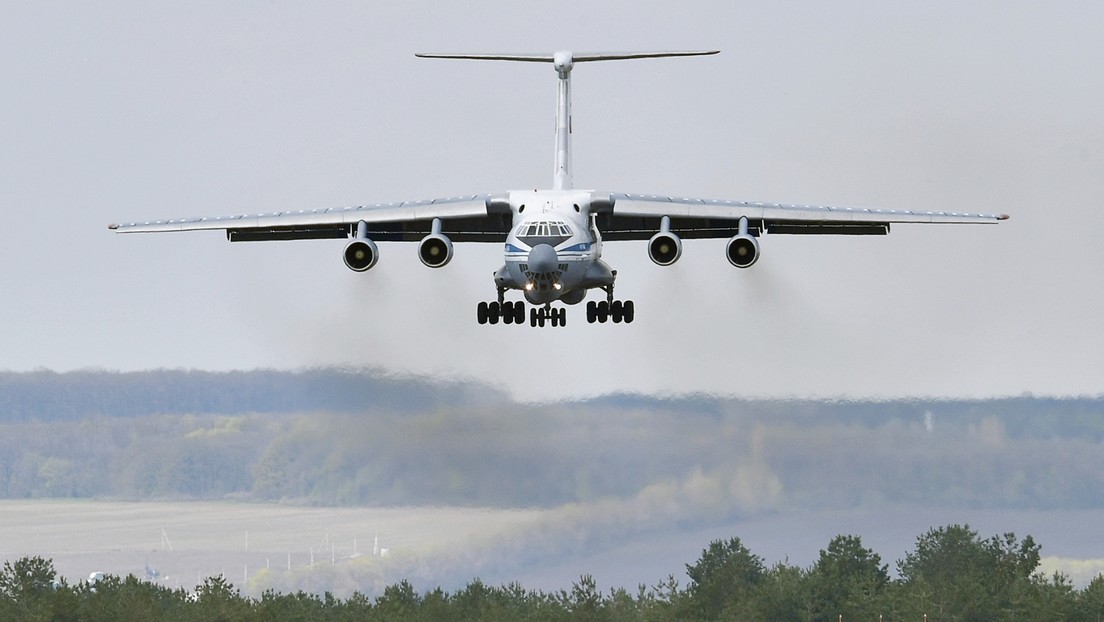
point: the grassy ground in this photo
(187, 541)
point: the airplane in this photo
(553, 237)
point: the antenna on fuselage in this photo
(564, 61)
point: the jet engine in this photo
(742, 251)
(435, 250)
(665, 247)
(361, 253)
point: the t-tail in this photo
(563, 63)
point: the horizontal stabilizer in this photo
(580, 57)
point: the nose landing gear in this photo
(557, 317)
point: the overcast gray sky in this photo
(136, 110)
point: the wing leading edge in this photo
(467, 218)
(636, 216)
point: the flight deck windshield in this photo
(550, 232)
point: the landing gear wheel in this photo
(494, 312)
(629, 311)
(533, 316)
(603, 309)
(616, 310)
(519, 312)
(592, 312)
(563, 317)
(481, 313)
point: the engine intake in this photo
(435, 249)
(742, 251)
(665, 247)
(361, 253)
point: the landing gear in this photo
(610, 309)
(508, 312)
(618, 311)
(539, 317)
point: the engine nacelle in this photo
(435, 250)
(742, 250)
(665, 248)
(361, 254)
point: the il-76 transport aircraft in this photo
(553, 238)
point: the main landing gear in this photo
(508, 312)
(617, 311)
(609, 309)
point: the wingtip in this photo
(1003, 217)
(113, 226)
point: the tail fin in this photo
(563, 62)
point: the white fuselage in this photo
(553, 251)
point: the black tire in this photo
(603, 311)
(519, 312)
(554, 317)
(540, 320)
(592, 312)
(615, 311)
(481, 312)
(563, 317)
(507, 313)
(629, 311)
(533, 317)
(494, 312)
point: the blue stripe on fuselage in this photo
(581, 247)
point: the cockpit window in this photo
(549, 232)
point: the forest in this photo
(952, 574)
(355, 437)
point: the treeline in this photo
(503, 455)
(47, 396)
(51, 396)
(952, 575)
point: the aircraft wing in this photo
(468, 218)
(637, 217)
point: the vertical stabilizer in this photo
(563, 62)
(561, 173)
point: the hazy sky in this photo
(137, 110)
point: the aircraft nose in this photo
(543, 258)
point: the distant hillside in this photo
(52, 396)
(1020, 417)
(332, 436)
